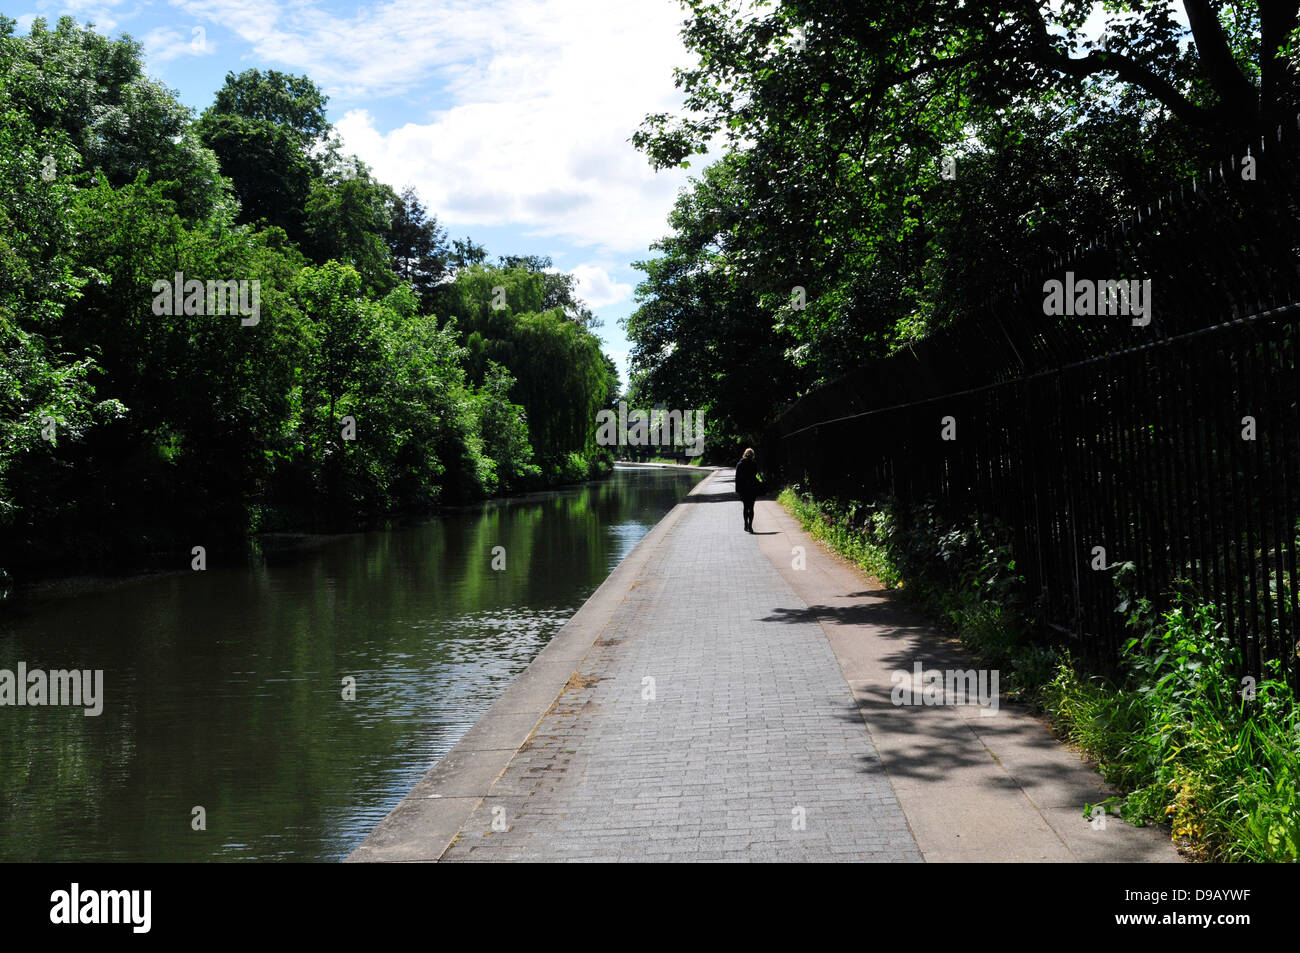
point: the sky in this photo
(510, 117)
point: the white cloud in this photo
(597, 288)
(99, 12)
(163, 44)
(382, 48)
(540, 99)
(540, 163)
(252, 20)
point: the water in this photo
(224, 689)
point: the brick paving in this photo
(747, 744)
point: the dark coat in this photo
(747, 479)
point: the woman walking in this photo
(747, 486)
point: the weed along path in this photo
(711, 701)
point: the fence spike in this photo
(1279, 132)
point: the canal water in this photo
(225, 690)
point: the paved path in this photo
(712, 702)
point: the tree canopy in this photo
(318, 351)
(886, 166)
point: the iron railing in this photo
(1093, 431)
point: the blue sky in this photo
(511, 117)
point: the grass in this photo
(1179, 733)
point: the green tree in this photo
(347, 218)
(134, 420)
(562, 376)
(292, 103)
(270, 172)
(559, 288)
(418, 246)
(504, 428)
(266, 130)
(700, 338)
(91, 93)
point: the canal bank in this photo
(726, 696)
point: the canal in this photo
(229, 690)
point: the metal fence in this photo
(1174, 445)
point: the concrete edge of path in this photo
(424, 824)
(666, 466)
